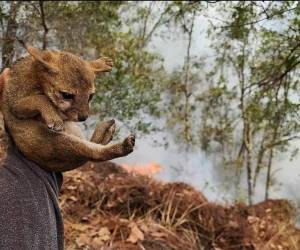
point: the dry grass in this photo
(104, 207)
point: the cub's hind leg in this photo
(102, 135)
(104, 132)
(76, 151)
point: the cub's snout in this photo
(82, 118)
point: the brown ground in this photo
(104, 207)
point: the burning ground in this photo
(110, 207)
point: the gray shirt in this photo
(30, 217)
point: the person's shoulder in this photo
(10, 169)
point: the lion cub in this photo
(46, 93)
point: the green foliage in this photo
(241, 17)
(133, 84)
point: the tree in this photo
(262, 84)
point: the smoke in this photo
(195, 167)
(176, 165)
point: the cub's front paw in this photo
(107, 63)
(128, 144)
(56, 125)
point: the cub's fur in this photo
(46, 93)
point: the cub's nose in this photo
(82, 118)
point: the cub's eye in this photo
(67, 95)
(91, 97)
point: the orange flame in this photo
(147, 169)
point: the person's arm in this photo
(3, 78)
(4, 140)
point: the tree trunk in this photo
(247, 134)
(249, 160)
(10, 35)
(268, 179)
(187, 136)
(259, 162)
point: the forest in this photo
(215, 79)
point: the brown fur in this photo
(46, 93)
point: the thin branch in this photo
(146, 19)
(274, 80)
(257, 21)
(43, 19)
(280, 142)
(155, 26)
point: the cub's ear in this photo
(44, 57)
(103, 64)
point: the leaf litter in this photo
(106, 208)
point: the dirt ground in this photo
(105, 207)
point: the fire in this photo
(147, 169)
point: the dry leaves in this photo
(107, 208)
(135, 234)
